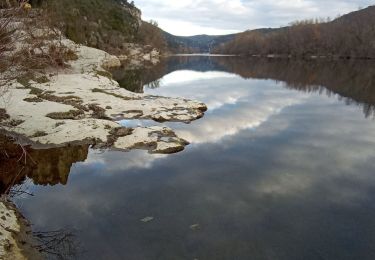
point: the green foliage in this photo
(104, 24)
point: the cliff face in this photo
(132, 10)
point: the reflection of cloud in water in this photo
(321, 151)
(212, 88)
(233, 105)
(259, 101)
(137, 123)
(112, 161)
(184, 76)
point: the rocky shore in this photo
(16, 240)
(83, 104)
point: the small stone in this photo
(195, 227)
(147, 219)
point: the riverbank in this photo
(82, 104)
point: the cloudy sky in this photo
(189, 17)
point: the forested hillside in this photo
(150, 34)
(352, 35)
(103, 24)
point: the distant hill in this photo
(349, 36)
(195, 44)
(201, 43)
(363, 15)
(150, 33)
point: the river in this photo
(280, 167)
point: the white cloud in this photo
(223, 17)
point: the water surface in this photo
(280, 167)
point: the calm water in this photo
(281, 167)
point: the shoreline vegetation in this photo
(349, 36)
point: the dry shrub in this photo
(7, 35)
(29, 43)
(45, 47)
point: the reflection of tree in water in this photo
(352, 80)
(129, 79)
(43, 166)
(20, 166)
(58, 244)
(18, 190)
(154, 84)
(135, 80)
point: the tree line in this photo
(352, 35)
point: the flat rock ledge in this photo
(83, 104)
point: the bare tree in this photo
(348, 36)
(57, 244)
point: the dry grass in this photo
(39, 134)
(3, 114)
(97, 111)
(33, 100)
(71, 114)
